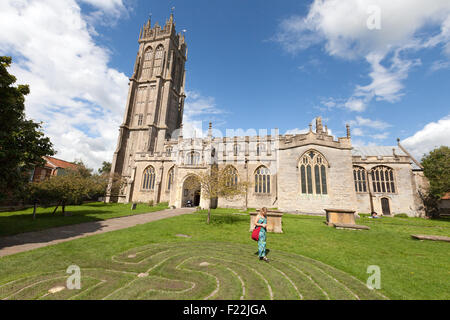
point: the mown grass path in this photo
(199, 270)
(309, 260)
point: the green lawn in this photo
(309, 260)
(22, 221)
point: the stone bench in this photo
(274, 223)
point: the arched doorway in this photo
(191, 192)
(385, 206)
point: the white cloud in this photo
(365, 122)
(342, 27)
(358, 132)
(380, 136)
(297, 131)
(362, 143)
(107, 5)
(440, 65)
(433, 135)
(106, 12)
(74, 92)
(198, 111)
(355, 104)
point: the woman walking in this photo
(261, 221)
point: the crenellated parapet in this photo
(319, 137)
(156, 32)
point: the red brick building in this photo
(53, 167)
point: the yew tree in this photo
(22, 142)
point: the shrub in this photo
(401, 215)
(151, 203)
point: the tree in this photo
(71, 188)
(22, 142)
(82, 169)
(106, 168)
(217, 182)
(436, 166)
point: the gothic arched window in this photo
(262, 180)
(360, 179)
(147, 65)
(193, 158)
(383, 179)
(149, 177)
(231, 176)
(170, 176)
(313, 173)
(157, 65)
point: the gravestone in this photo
(274, 222)
(340, 216)
(343, 219)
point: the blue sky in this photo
(251, 65)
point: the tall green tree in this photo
(22, 142)
(436, 166)
(106, 168)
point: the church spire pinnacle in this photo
(149, 22)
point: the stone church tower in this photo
(302, 173)
(154, 109)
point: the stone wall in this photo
(339, 181)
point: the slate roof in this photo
(385, 151)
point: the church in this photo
(295, 173)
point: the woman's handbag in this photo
(255, 233)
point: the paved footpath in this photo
(37, 239)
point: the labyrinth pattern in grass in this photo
(198, 270)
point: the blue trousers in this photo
(262, 243)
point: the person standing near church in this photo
(261, 221)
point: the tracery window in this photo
(360, 179)
(147, 65)
(383, 179)
(149, 177)
(313, 173)
(168, 151)
(157, 65)
(232, 176)
(170, 176)
(262, 180)
(193, 158)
